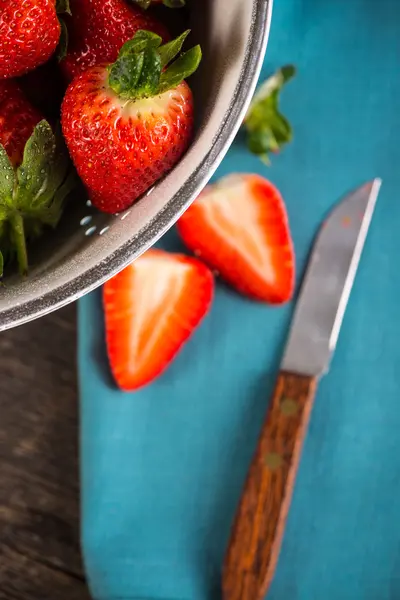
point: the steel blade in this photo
(328, 281)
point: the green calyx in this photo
(32, 195)
(268, 130)
(62, 8)
(145, 68)
(170, 3)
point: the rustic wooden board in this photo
(39, 490)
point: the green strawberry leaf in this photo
(149, 78)
(7, 179)
(136, 75)
(182, 68)
(171, 49)
(143, 3)
(143, 39)
(174, 3)
(53, 212)
(34, 170)
(125, 73)
(138, 71)
(33, 195)
(268, 130)
(63, 7)
(62, 47)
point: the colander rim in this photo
(89, 280)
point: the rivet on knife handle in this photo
(258, 529)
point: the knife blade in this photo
(259, 523)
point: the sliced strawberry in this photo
(151, 308)
(239, 227)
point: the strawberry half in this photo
(98, 28)
(29, 34)
(239, 227)
(151, 309)
(127, 124)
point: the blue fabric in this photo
(162, 469)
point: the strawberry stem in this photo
(267, 129)
(32, 195)
(18, 234)
(145, 68)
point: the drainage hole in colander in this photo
(128, 212)
(88, 203)
(86, 220)
(150, 190)
(91, 230)
(104, 230)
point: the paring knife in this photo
(260, 520)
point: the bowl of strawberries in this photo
(113, 116)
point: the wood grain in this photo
(39, 489)
(257, 532)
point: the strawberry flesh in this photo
(239, 227)
(29, 34)
(151, 309)
(97, 30)
(35, 174)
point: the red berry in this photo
(98, 28)
(17, 120)
(151, 309)
(121, 148)
(29, 34)
(239, 227)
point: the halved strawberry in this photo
(239, 227)
(151, 308)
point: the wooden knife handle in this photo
(260, 520)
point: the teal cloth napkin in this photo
(162, 469)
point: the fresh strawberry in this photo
(127, 124)
(240, 228)
(151, 309)
(98, 28)
(29, 34)
(34, 170)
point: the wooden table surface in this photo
(39, 490)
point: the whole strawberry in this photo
(29, 34)
(97, 30)
(34, 174)
(127, 124)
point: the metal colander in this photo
(88, 247)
